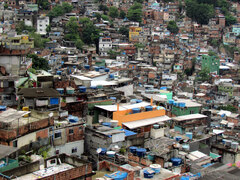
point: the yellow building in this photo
(19, 42)
(134, 33)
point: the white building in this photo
(42, 24)
(105, 44)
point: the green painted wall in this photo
(211, 63)
(92, 104)
(12, 163)
(177, 111)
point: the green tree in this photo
(60, 10)
(38, 63)
(89, 34)
(20, 27)
(172, 27)
(113, 54)
(43, 4)
(230, 20)
(212, 53)
(124, 31)
(199, 12)
(228, 108)
(103, 8)
(213, 42)
(72, 29)
(105, 17)
(204, 75)
(5, 5)
(98, 16)
(113, 12)
(135, 13)
(39, 42)
(122, 14)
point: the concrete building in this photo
(42, 24)
(105, 45)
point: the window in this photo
(74, 150)
(58, 135)
(15, 143)
(191, 112)
(70, 131)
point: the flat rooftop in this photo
(164, 174)
(189, 117)
(46, 172)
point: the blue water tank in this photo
(102, 67)
(139, 101)
(60, 90)
(82, 89)
(151, 157)
(3, 108)
(74, 67)
(107, 69)
(176, 161)
(97, 69)
(108, 124)
(147, 174)
(170, 101)
(141, 152)
(113, 98)
(136, 110)
(156, 168)
(189, 135)
(149, 108)
(178, 138)
(163, 88)
(133, 149)
(87, 67)
(73, 119)
(174, 103)
(183, 105)
(103, 151)
(59, 72)
(111, 76)
(93, 87)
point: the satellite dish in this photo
(99, 150)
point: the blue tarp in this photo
(128, 133)
(119, 175)
(54, 101)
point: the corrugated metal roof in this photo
(189, 117)
(146, 122)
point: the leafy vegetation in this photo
(203, 75)
(113, 12)
(124, 31)
(43, 4)
(39, 42)
(60, 10)
(135, 13)
(72, 29)
(103, 8)
(22, 28)
(90, 33)
(228, 108)
(38, 62)
(122, 14)
(172, 27)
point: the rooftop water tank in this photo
(59, 72)
(156, 126)
(110, 153)
(107, 69)
(138, 101)
(73, 119)
(60, 90)
(176, 161)
(114, 123)
(82, 89)
(108, 124)
(111, 76)
(103, 151)
(178, 138)
(189, 135)
(155, 167)
(170, 101)
(97, 69)
(136, 110)
(151, 157)
(133, 149)
(3, 108)
(113, 98)
(133, 101)
(228, 142)
(141, 152)
(87, 67)
(93, 87)
(148, 173)
(149, 108)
